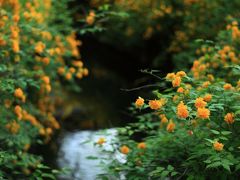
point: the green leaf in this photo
(48, 176)
(209, 140)
(170, 168)
(199, 40)
(55, 171)
(214, 165)
(41, 166)
(164, 173)
(207, 161)
(226, 132)
(92, 157)
(223, 138)
(3, 68)
(227, 167)
(174, 173)
(215, 132)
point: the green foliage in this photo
(190, 130)
(39, 55)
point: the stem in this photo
(141, 87)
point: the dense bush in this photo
(38, 53)
(164, 30)
(191, 127)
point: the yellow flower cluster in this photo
(37, 49)
(176, 78)
(182, 111)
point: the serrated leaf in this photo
(214, 165)
(207, 161)
(226, 132)
(227, 167)
(215, 132)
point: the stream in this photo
(77, 147)
(101, 105)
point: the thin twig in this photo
(141, 87)
(182, 174)
(151, 73)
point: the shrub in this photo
(161, 30)
(191, 127)
(39, 53)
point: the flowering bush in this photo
(163, 30)
(38, 52)
(190, 128)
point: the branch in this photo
(151, 73)
(141, 87)
(182, 174)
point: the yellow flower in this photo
(182, 111)
(181, 74)
(101, 141)
(15, 46)
(164, 119)
(18, 111)
(229, 118)
(200, 103)
(203, 113)
(141, 145)
(139, 102)
(170, 76)
(156, 104)
(90, 18)
(171, 126)
(78, 64)
(72, 70)
(218, 146)
(45, 60)
(48, 88)
(68, 76)
(18, 93)
(49, 131)
(61, 70)
(180, 90)
(176, 81)
(206, 84)
(46, 79)
(227, 86)
(85, 72)
(207, 97)
(124, 149)
(16, 18)
(39, 47)
(42, 131)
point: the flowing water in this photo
(100, 106)
(78, 152)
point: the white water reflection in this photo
(75, 150)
